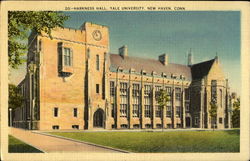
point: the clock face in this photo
(97, 35)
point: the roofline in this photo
(203, 62)
(148, 59)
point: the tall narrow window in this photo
(147, 100)
(112, 88)
(136, 99)
(178, 111)
(187, 95)
(55, 111)
(67, 57)
(158, 110)
(97, 62)
(112, 110)
(75, 112)
(97, 88)
(221, 96)
(112, 98)
(214, 91)
(124, 99)
(169, 111)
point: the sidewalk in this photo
(52, 144)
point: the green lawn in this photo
(17, 146)
(175, 141)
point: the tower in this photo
(190, 58)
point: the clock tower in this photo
(97, 49)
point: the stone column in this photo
(164, 108)
(130, 117)
(153, 107)
(117, 101)
(142, 103)
(201, 121)
(173, 108)
(183, 109)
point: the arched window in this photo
(97, 62)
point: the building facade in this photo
(74, 82)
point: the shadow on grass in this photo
(17, 146)
(233, 132)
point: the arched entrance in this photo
(99, 118)
(188, 122)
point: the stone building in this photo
(74, 82)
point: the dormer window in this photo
(153, 73)
(120, 69)
(173, 76)
(132, 70)
(143, 72)
(164, 75)
(182, 77)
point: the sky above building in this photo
(150, 34)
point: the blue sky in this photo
(149, 34)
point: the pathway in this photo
(52, 144)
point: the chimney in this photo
(123, 51)
(163, 59)
(190, 58)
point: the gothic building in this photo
(74, 82)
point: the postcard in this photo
(134, 80)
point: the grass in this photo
(17, 146)
(175, 141)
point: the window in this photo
(157, 107)
(135, 100)
(220, 120)
(157, 91)
(124, 126)
(187, 94)
(147, 100)
(214, 91)
(178, 125)
(169, 126)
(112, 109)
(187, 107)
(168, 89)
(196, 120)
(112, 88)
(221, 96)
(75, 112)
(158, 126)
(178, 94)
(148, 126)
(55, 127)
(124, 99)
(67, 57)
(75, 126)
(136, 126)
(97, 62)
(169, 111)
(178, 111)
(157, 111)
(97, 88)
(56, 112)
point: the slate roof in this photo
(201, 69)
(149, 65)
(194, 72)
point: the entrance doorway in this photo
(188, 122)
(99, 118)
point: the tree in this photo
(15, 98)
(213, 113)
(236, 114)
(162, 97)
(21, 23)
